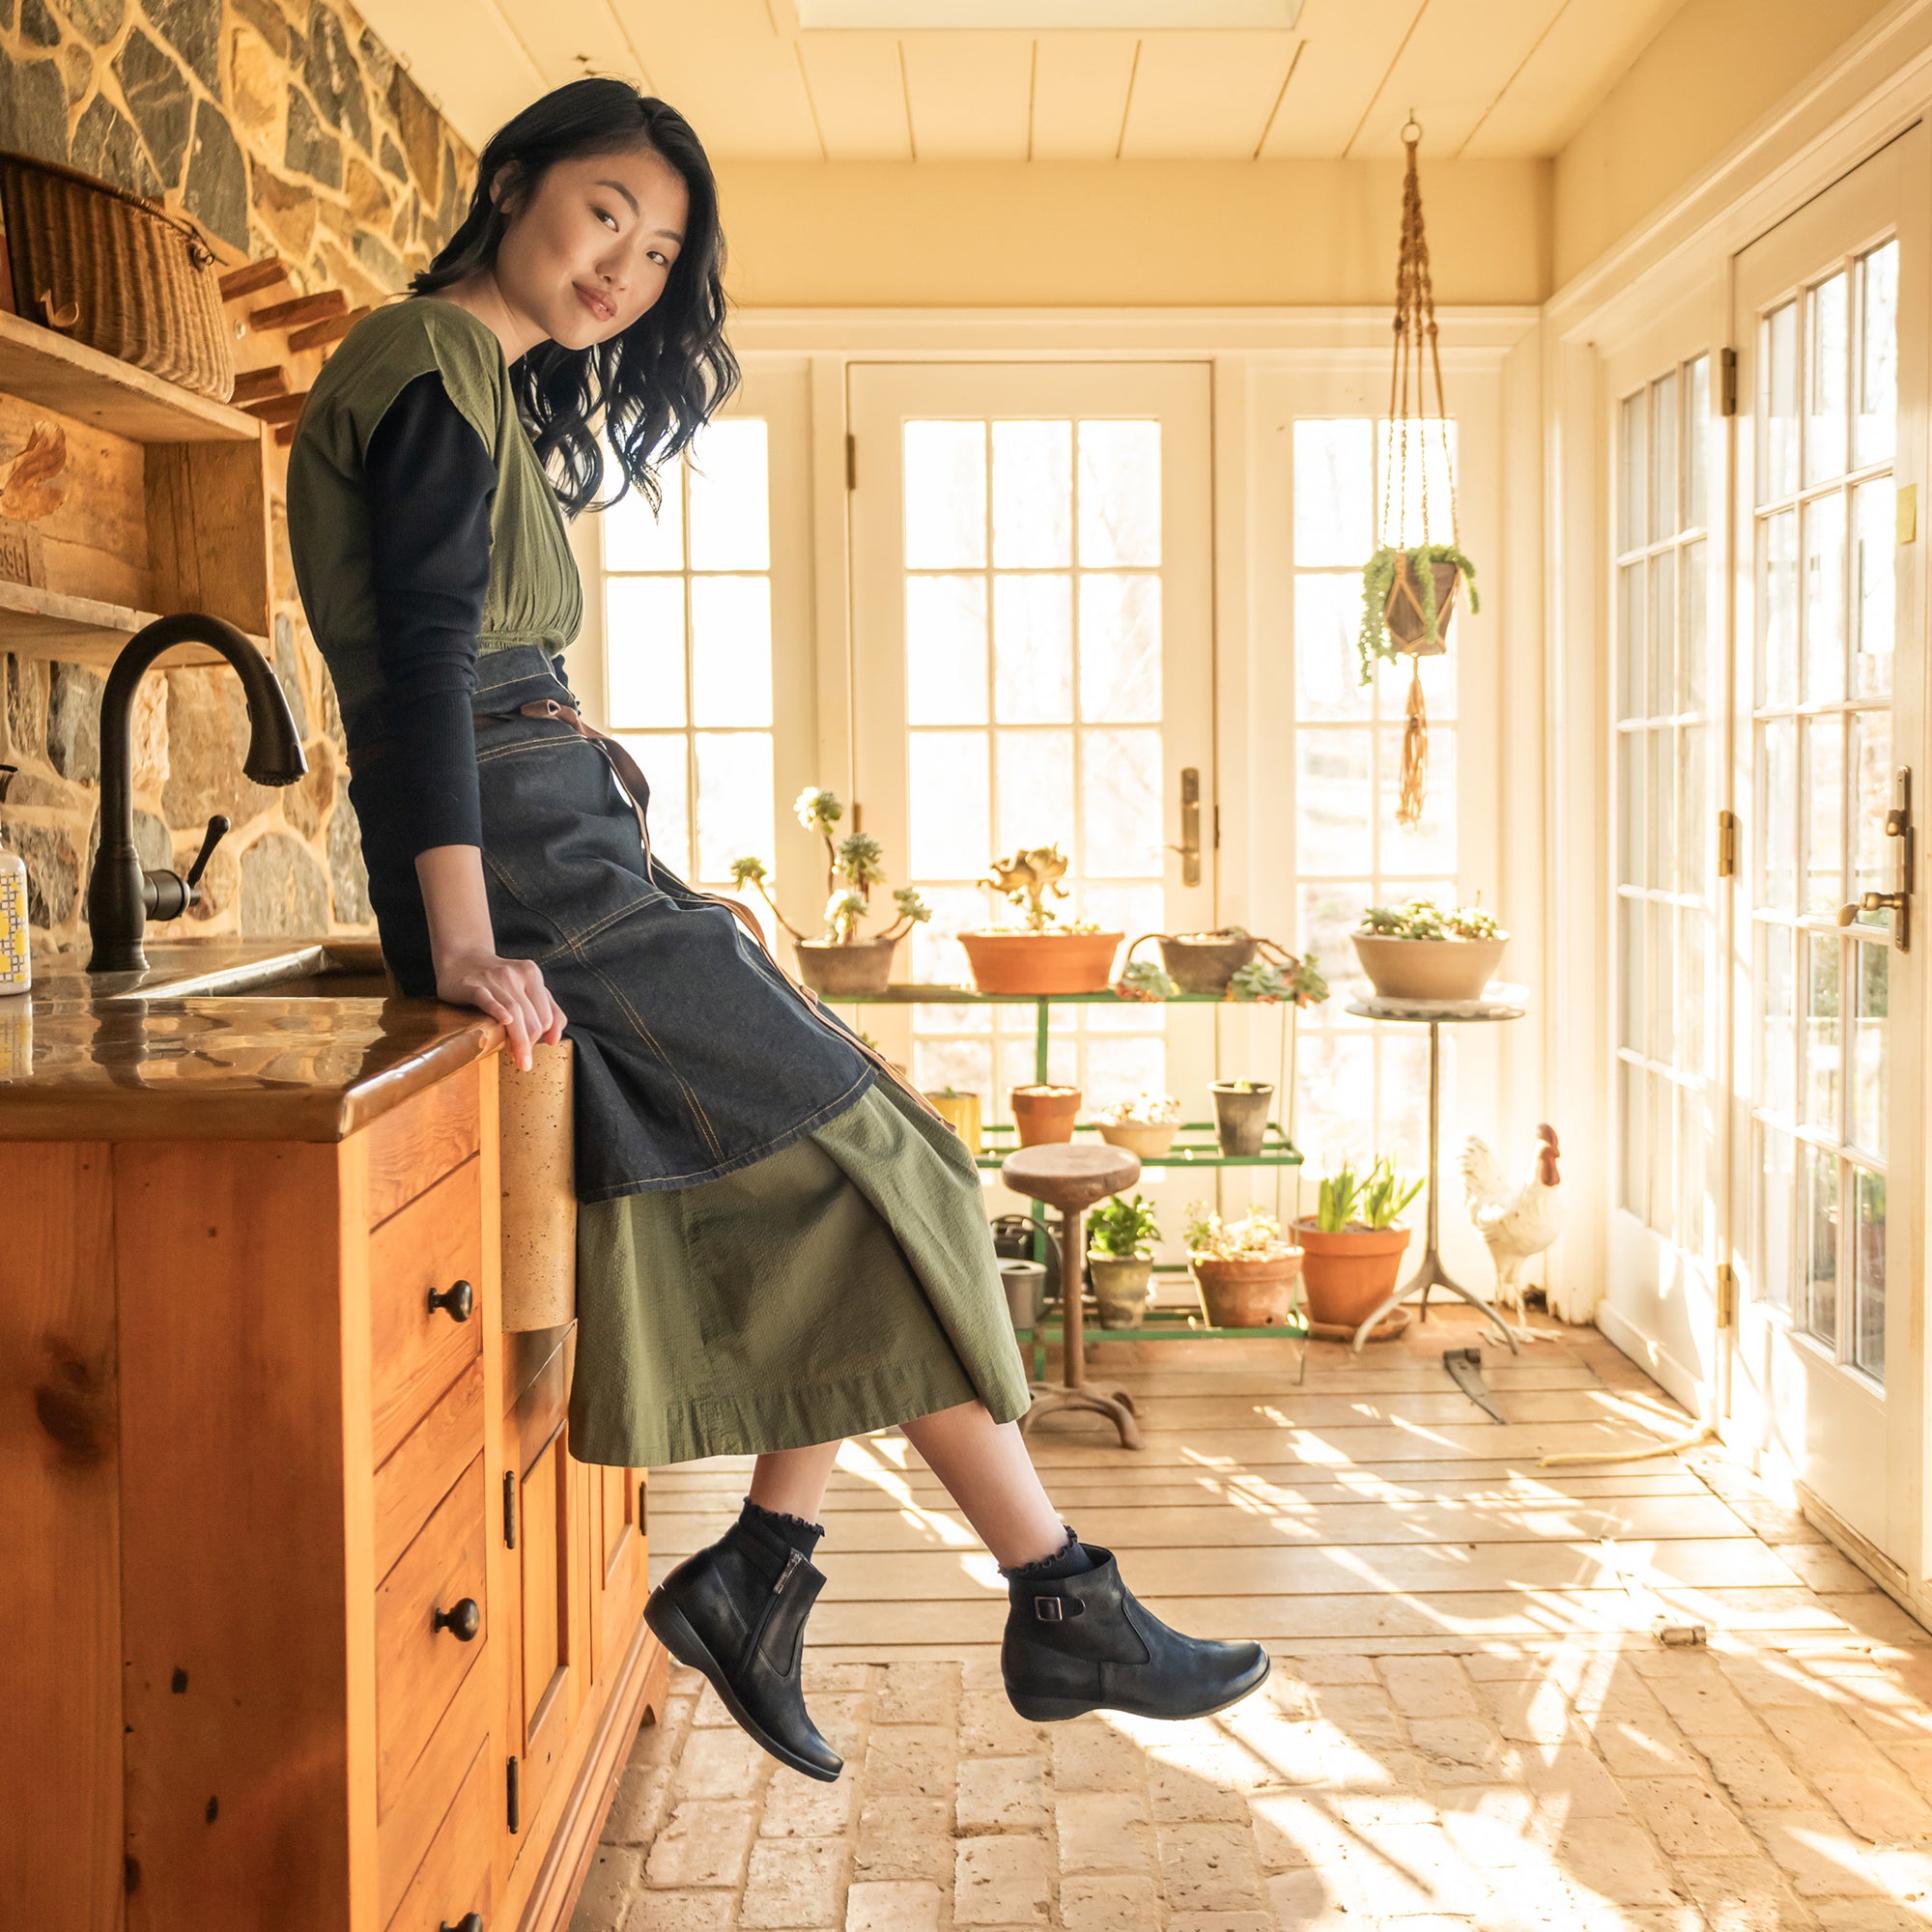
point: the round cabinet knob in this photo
(465, 1620)
(470, 1921)
(456, 1300)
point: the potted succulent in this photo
(1044, 1112)
(1121, 1260)
(1418, 952)
(1353, 1243)
(1407, 599)
(1047, 954)
(841, 962)
(1226, 963)
(1145, 1125)
(1246, 1270)
(1240, 1114)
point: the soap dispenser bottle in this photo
(16, 968)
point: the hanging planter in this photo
(1410, 589)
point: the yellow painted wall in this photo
(1106, 234)
(1717, 67)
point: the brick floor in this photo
(1767, 1781)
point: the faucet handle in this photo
(217, 830)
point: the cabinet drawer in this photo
(403, 1838)
(432, 1456)
(417, 1665)
(417, 1351)
(414, 1146)
(454, 1875)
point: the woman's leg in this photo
(986, 1471)
(792, 1481)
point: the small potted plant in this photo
(1246, 1270)
(1407, 599)
(841, 962)
(962, 1113)
(1047, 954)
(1121, 1260)
(1044, 1112)
(1145, 1125)
(1241, 1114)
(1353, 1243)
(1229, 964)
(1418, 952)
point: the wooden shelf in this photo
(40, 367)
(82, 630)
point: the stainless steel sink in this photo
(335, 970)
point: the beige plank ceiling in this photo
(1497, 78)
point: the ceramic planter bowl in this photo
(1042, 1114)
(1120, 1286)
(1429, 969)
(834, 970)
(1247, 1293)
(1349, 1273)
(1041, 962)
(1024, 1284)
(1204, 964)
(961, 1112)
(1240, 1116)
(1148, 1140)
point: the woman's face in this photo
(590, 249)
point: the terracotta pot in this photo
(961, 1111)
(1348, 1274)
(1247, 1293)
(833, 969)
(1140, 1137)
(1402, 611)
(1041, 962)
(1240, 1116)
(1042, 1114)
(1120, 1287)
(1204, 965)
(1429, 969)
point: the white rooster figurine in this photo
(1516, 1221)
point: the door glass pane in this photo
(1694, 689)
(1660, 795)
(1334, 491)
(1663, 520)
(1868, 1331)
(1777, 610)
(1825, 600)
(1036, 788)
(1694, 815)
(1119, 493)
(1631, 940)
(1662, 1217)
(1692, 991)
(1697, 442)
(1634, 461)
(1662, 966)
(1778, 1194)
(1821, 1245)
(1334, 806)
(1033, 494)
(1873, 854)
(662, 757)
(731, 650)
(1119, 783)
(637, 539)
(1776, 1037)
(1119, 645)
(1824, 813)
(1327, 609)
(949, 807)
(729, 497)
(944, 494)
(1870, 1077)
(1826, 367)
(1633, 1177)
(1033, 654)
(1874, 570)
(643, 630)
(945, 650)
(1873, 432)
(1778, 812)
(1632, 851)
(1662, 632)
(734, 799)
(1778, 403)
(1630, 596)
(1821, 1032)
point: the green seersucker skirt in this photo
(846, 1282)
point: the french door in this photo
(1828, 737)
(1031, 665)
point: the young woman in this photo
(777, 1246)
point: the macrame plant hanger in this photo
(1416, 615)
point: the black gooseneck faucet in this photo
(121, 895)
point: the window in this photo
(688, 631)
(1363, 1089)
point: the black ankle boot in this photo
(736, 1612)
(1084, 1644)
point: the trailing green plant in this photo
(853, 866)
(1123, 1230)
(1348, 1200)
(1424, 918)
(1373, 641)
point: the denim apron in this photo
(696, 1053)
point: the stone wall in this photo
(285, 127)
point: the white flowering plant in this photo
(1255, 1238)
(1144, 1110)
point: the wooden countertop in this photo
(144, 1057)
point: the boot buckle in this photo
(1048, 1609)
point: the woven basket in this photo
(115, 271)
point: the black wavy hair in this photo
(654, 386)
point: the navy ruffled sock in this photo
(1070, 1560)
(800, 1535)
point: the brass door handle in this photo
(1190, 847)
(1898, 901)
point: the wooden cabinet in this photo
(319, 1625)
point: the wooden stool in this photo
(1072, 1178)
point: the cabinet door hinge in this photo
(851, 462)
(1728, 844)
(1728, 1296)
(509, 1509)
(1727, 382)
(515, 1803)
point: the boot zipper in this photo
(792, 1560)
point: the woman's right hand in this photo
(509, 990)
